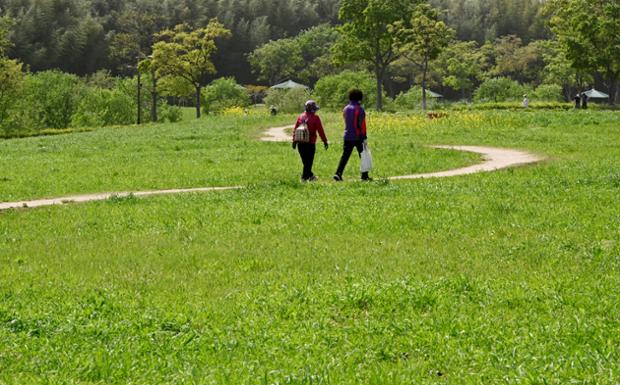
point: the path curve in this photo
(494, 159)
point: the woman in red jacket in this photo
(307, 150)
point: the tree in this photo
(558, 70)
(5, 43)
(11, 81)
(366, 37)
(305, 57)
(423, 41)
(224, 93)
(498, 90)
(460, 66)
(522, 63)
(187, 54)
(589, 33)
(277, 60)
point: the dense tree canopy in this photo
(589, 34)
(271, 40)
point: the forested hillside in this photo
(83, 36)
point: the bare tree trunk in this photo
(198, 90)
(379, 75)
(154, 98)
(424, 71)
(139, 92)
(613, 89)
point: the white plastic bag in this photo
(366, 163)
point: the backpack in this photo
(302, 134)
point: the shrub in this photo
(103, 107)
(499, 90)
(412, 99)
(52, 97)
(549, 93)
(333, 91)
(223, 94)
(169, 113)
(289, 101)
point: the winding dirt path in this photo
(494, 159)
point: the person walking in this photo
(584, 101)
(577, 100)
(526, 101)
(354, 132)
(307, 150)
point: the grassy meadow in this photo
(509, 277)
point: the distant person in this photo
(577, 99)
(307, 150)
(526, 101)
(354, 132)
(584, 100)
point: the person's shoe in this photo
(337, 178)
(313, 178)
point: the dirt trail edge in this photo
(494, 159)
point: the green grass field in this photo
(509, 277)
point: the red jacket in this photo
(314, 126)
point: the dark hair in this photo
(356, 95)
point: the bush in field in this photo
(499, 90)
(223, 94)
(549, 93)
(101, 79)
(103, 107)
(51, 98)
(412, 99)
(289, 101)
(333, 91)
(11, 83)
(168, 113)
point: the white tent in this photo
(287, 85)
(433, 94)
(594, 94)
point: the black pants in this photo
(348, 147)
(307, 151)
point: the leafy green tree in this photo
(366, 37)
(224, 93)
(11, 82)
(333, 91)
(316, 44)
(186, 54)
(11, 76)
(558, 70)
(52, 97)
(305, 58)
(522, 63)
(5, 43)
(104, 107)
(423, 41)
(460, 66)
(548, 92)
(498, 90)
(589, 34)
(277, 60)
